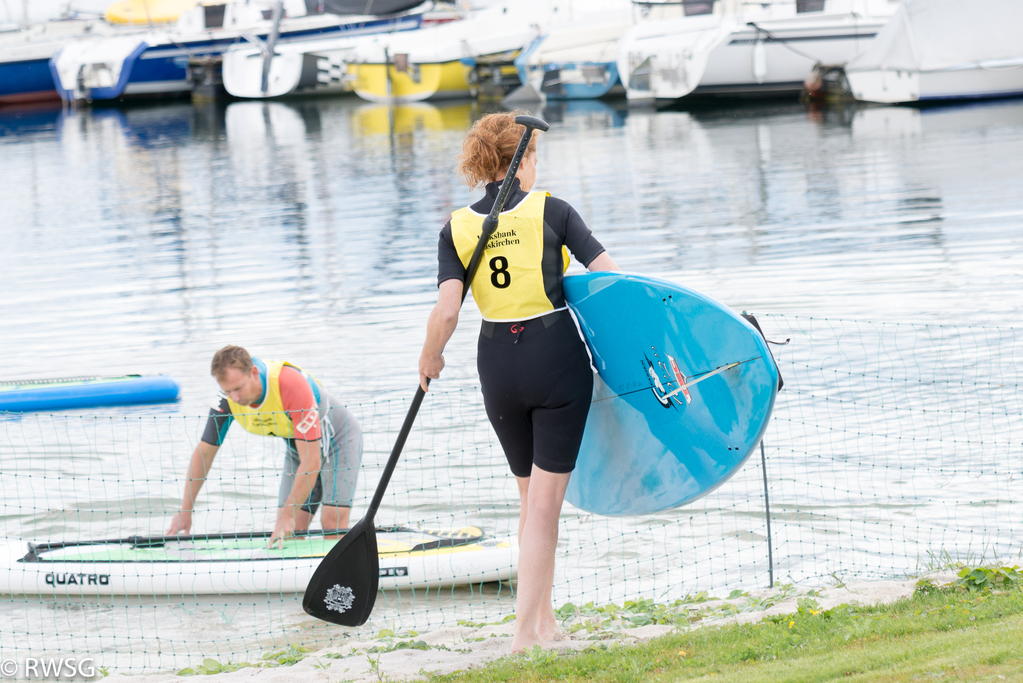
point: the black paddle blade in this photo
(344, 587)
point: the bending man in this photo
(323, 441)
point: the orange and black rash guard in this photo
(562, 226)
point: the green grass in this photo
(954, 633)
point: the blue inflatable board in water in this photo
(685, 390)
(81, 392)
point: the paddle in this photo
(343, 589)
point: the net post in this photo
(767, 516)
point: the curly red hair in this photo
(489, 147)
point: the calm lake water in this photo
(141, 240)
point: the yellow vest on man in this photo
(269, 418)
(509, 284)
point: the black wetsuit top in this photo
(535, 375)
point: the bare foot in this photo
(551, 632)
(547, 625)
(522, 642)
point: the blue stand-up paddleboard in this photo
(82, 392)
(684, 393)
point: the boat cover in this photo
(929, 35)
(360, 6)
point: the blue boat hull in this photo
(554, 87)
(98, 392)
(581, 91)
(26, 81)
(162, 69)
(672, 418)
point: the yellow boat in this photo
(144, 12)
(447, 61)
(388, 83)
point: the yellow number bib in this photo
(269, 418)
(509, 284)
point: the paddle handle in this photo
(490, 222)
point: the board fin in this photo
(752, 320)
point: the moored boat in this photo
(943, 50)
(728, 48)
(25, 54)
(453, 60)
(577, 60)
(157, 62)
(314, 65)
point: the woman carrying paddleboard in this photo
(534, 368)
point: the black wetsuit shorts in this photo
(537, 387)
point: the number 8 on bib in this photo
(524, 261)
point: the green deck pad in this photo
(242, 549)
(194, 551)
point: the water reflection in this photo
(587, 114)
(177, 226)
(408, 119)
(25, 121)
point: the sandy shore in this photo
(411, 657)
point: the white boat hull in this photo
(314, 66)
(972, 82)
(669, 65)
(943, 50)
(748, 64)
(745, 54)
(291, 72)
